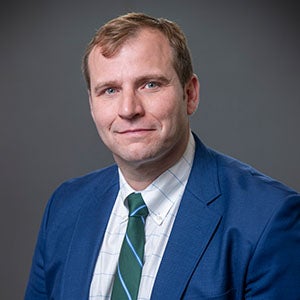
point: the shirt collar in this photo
(167, 190)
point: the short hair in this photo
(112, 35)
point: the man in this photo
(216, 228)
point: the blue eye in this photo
(151, 85)
(110, 91)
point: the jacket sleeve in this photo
(36, 287)
(274, 270)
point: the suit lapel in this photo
(87, 239)
(194, 226)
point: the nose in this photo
(130, 105)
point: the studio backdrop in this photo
(245, 53)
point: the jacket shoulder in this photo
(99, 178)
(70, 196)
(247, 178)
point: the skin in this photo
(140, 108)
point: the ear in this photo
(191, 91)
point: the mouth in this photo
(136, 130)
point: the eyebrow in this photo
(152, 77)
(103, 85)
(138, 81)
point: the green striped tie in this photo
(129, 269)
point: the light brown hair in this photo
(112, 35)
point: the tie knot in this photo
(137, 206)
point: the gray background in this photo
(246, 54)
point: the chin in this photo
(136, 157)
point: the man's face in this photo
(138, 103)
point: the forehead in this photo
(111, 45)
(147, 49)
(143, 38)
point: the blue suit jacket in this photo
(236, 236)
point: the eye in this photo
(110, 91)
(151, 85)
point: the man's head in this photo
(115, 33)
(139, 103)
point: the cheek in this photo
(102, 116)
(164, 106)
(103, 129)
(173, 114)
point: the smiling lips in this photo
(135, 131)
